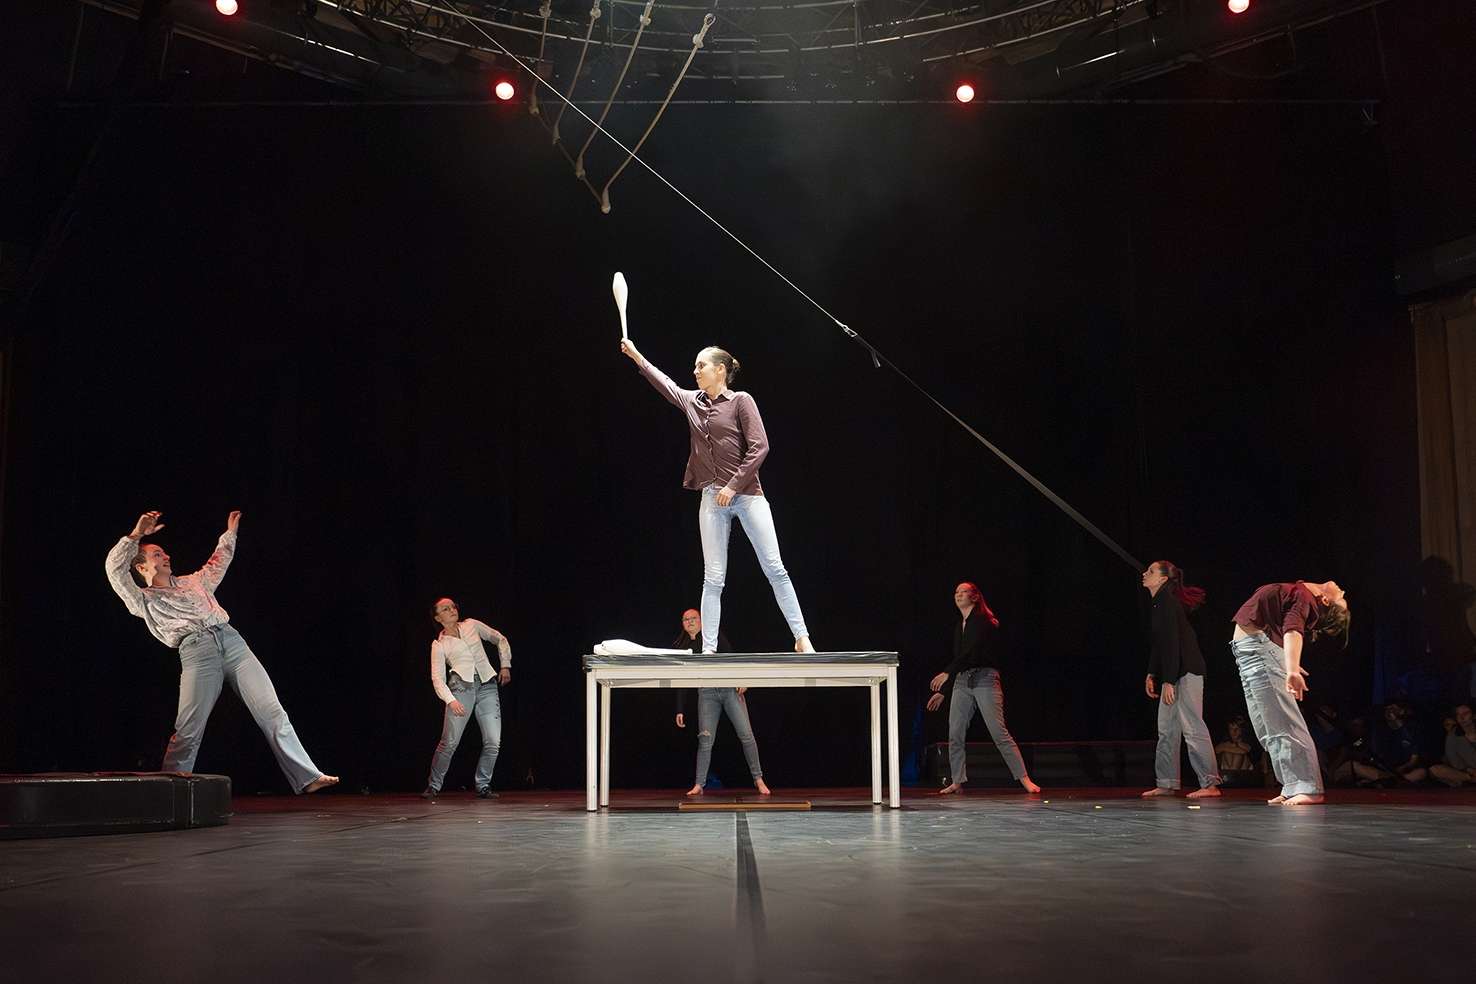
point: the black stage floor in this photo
(1074, 885)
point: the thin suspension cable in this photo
(877, 358)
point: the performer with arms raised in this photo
(182, 613)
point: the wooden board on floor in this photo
(735, 805)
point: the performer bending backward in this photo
(1270, 630)
(728, 446)
(467, 684)
(1176, 667)
(182, 613)
(711, 703)
(975, 672)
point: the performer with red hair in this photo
(975, 671)
(1176, 680)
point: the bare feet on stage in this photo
(1277, 801)
(802, 645)
(694, 791)
(322, 782)
(1206, 793)
(762, 787)
(956, 787)
(1302, 799)
(1158, 791)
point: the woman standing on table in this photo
(975, 672)
(728, 446)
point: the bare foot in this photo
(1276, 801)
(694, 791)
(802, 645)
(1158, 791)
(762, 787)
(1303, 799)
(322, 782)
(950, 789)
(1205, 793)
(1029, 784)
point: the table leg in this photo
(893, 757)
(591, 698)
(605, 745)
(876, 752)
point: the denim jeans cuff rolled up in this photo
(209, 659)
(1275, 716)
(979, 688)
(1184, 719)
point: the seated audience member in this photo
(1459, 766)
(1359, 765)
(1238, 758)
(1327, 735)
(1397, 745)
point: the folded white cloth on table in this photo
(624, 647)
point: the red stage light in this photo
(504, 90)
(226, 7)
(964, 93)
(1238, 6)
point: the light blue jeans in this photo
(1274, 714)
(1185, 719)
(207, 659)
(979, 687)
(711, 703)
(715, 522)
(483, 702)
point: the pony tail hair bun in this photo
(1189, 596)
(724, 358)
(988, 612)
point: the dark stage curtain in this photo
(1445, 354)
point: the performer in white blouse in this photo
(182, 613)
(467, 684)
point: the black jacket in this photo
(973, 645)
(1173, 646)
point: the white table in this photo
(604, 674)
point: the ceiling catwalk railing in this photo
(775, 31)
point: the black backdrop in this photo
(386, 335)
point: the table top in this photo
(748, 659)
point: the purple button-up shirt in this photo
(728, 439)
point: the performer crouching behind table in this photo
(1270, 631)
(1176, 667)
(728, 444)
(182, 613)
(464, 679)
(711, 703)
(975, 669)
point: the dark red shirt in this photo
(1277, 609)
(728, 439)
